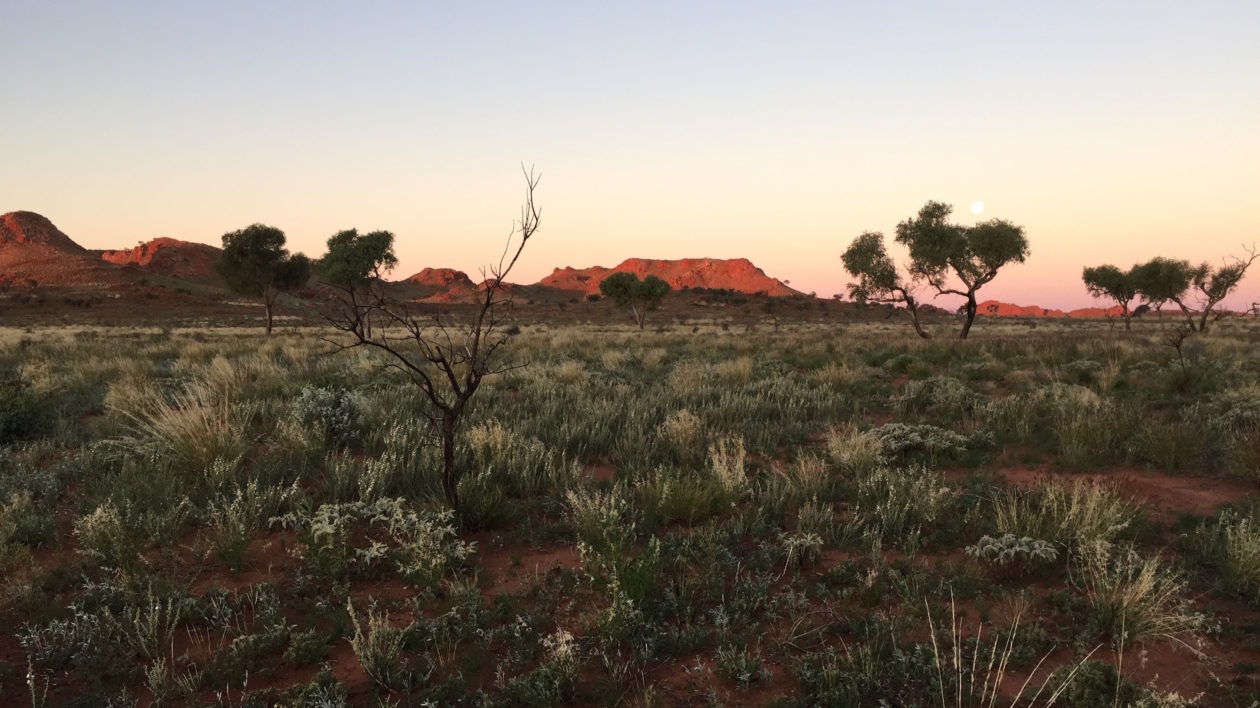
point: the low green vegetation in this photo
(819, 515)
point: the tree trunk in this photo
(638, 316)
(1189, 315)
(267, 304)
(914, 319)
(450, 480)
(1203, 319)
(971, 315)
(1128, 316)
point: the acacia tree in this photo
(354, 262)
(971, 255)
(445, 360)
(1108, 281)
(1215, 284)
(877, 278)
(1162, 280)
(255, 262)
(641, 296)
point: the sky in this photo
(1111, 131)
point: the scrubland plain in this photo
(814, 514)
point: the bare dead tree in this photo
(445, 360)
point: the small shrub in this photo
(683, 432)
(1095, 683)
(818, 518)
(1083, 372)
(855, 452)
(331, 411)
(360, 535)
(104, 535)
(668, 495)
(1232, 544)
(380, 649)
(602, 520)
(726, 458)
(801, 549)
(907, 442)
(1013, 554)
(22, 414)
(899, 502)
(735, 372)
(306, 648)
(740, 664)
(808, 478)
(943, 397)
(26, 523)
(233, 521)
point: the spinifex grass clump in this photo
(1231, 544)
(1136, 598)
(195, 425)
(1071, 515)
(900, 503)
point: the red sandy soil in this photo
(1166, 496)
(170, 257)
(512, 568)
(737, 274)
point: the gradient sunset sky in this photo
(778, 132)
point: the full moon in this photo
(977, 207)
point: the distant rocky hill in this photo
(26, 228)
(738, 274)
(995, 308)
(441, 278)
(35, 252)
(170, 257)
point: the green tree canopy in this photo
(1162, 280)
(641, 296)
(971, 255)
(255, 262)
(1109, 282)
(878, 281)
(354, 260)
(1215, 284)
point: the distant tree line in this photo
(1195, 289)
(951, 259)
